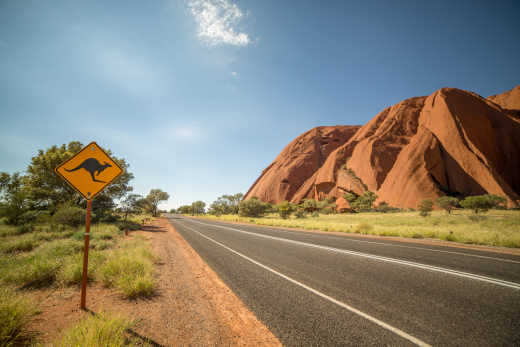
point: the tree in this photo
(350, 197)
(447, 203)
(482, 203)
(252, 207)
(365, 201)
(154, 198)
(47, 190)
(198, 207)
(130, 204)
(285, 209)
(14, 197)
(226, 204)
(310, 205)
(426, 206)
(185, 209)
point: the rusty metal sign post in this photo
(88, 172)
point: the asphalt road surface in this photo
(313, 289)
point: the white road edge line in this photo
(320, 294)
(381, 258)
(411, 247)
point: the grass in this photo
(15, 313)
(130, 270)
(494, 228)
(100, 330)
(47, 255)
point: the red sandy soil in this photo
(193, 306)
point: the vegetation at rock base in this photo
(498, 228)
(483, 203)
(285, 209)
(447, 203)
(425, 207)
(252, 207)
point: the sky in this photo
(199, 96)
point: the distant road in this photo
(315, 289)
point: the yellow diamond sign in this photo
(89, 171)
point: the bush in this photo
(24, 229)
(98, 330)
(33, 272)
(252, 208)
(300, 213)
(70, 216)
(447, 203)
(19, 245)
(131, 272)
(425, 207)
(284, 209)
(482, 203)
(15, 314)
(315, 214)
(327, 210)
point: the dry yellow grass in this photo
(494, 228)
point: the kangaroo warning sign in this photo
(89, 171)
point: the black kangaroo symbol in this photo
(93, 167)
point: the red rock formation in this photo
(298, 161)
(452, 142)
(509, 101)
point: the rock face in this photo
(297, 162)
(452, 142)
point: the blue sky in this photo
(201, 95)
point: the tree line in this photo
(254, 207)
(39, 195)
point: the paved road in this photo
(324, 290)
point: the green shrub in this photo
(483, 203)
(19, 245)
(15, 314)
(32, 272)
(252, 208)
(300, 213)
(327, 210)
(284, 209)
(70, 216)
(130, 271)
(134, 287)
(425, 207)
(24, 229)
(71, 273)
(315, 214)
(447, 203)
(450, 237)
(98, 330)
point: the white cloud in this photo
(234, 73)
(186, 133)
(217, 20)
